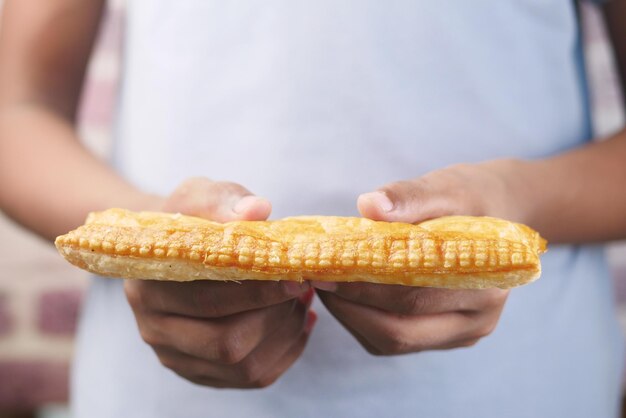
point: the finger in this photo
(405, 201)
(209, 299)
(390, 334)
(406, 300)
(226, 340)
(203, 373)
(275, 354)
(260, 368)
(193, 369)
(461, 343)
(217, 201)
(289, 358)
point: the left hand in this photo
(391, 319)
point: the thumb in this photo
(404, 201)
(217, 201)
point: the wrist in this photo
(519, 188)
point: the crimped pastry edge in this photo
(182, 270)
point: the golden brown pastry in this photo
(451, 252)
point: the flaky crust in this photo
(450, 252)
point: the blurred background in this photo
(40, 295)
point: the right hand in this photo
(223, 334)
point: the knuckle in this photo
(395, 343)
(452, 177)
(231, 187)
(186, 183)
(193, 378)
(486, 329)
(249, 372)
(149, 336)
(415, 302)
(197, 182)
(373, 350)
(456, 173)
(398, 189)
(397, 347)
(182, 199)
(469, 343)
(265, 382)
(134, 293)
(230, 349)
(193, 196)
(169, 363)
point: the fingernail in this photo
(311, 319)
(307, 298)
(326, 286)
(295, 288)
(381, 200)
(245, 203)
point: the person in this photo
(403, 110)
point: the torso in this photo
(312, 103)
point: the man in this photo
(314, 105)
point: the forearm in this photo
(578, 196)
(48, 181)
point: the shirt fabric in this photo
(310, 103)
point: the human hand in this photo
(223, 334)
(390, 319)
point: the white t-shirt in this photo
(310, 103)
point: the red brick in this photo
(58, 311)
(6, 319)
(27, 384)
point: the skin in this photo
(247, 335)
(223, 334)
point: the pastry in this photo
(449, 252)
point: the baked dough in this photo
(450, 252)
